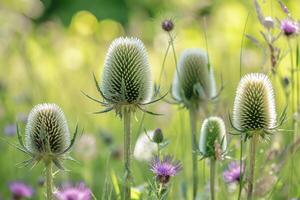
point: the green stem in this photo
(49, 180)
(193, 115)
(212, 177)
(163, 64)
(241, 172)
(252, 166)
(293, 112)
(127, 153)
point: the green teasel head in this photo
(126, 79)
(254, 104)
(213, 142)
(47, 130)
(47, 135)
(194, 81)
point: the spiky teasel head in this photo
(47, 135)
(126, 79)
(194, 80)
(254, 105)
(213, 142)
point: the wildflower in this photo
(289, 27)
(144, 147)
(10, 130)
(254, 104)
(194, 81)
(167, 25)
(233, 173)
(20, 190)
(158, 136)
(213, 137)
(268, 22)
(126, 79)
(78, 192)
(164, 169)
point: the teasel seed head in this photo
(213, 142)
(126, 79)
(254, 104)
(47, 131)
(194, 80)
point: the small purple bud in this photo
(268, 22)
(286, 81)
(167, 25)
(289, 27)
(158, 136)
(283, 7)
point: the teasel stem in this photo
(212, 178)
(193, 115)
(49, 180)
(127, 153)
(241, 174)
(253, 144)
(164, 61)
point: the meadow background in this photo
(49, 50)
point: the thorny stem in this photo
(252, 166)
(212, 177)
(49, 180)
(127, 154)
(193, 115)
(241, 172)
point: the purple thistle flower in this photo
(69, 192)
(20, 190)
(10, 130)
(233, 174)
(289, 27)
(165, 168)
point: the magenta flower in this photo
(289, 27)
(20, 190)
(233, 172)
(165, 168)
(69, 192)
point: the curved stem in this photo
(127, 154)
(252, 166)
(49, 180)
(193, 115)
(212, 177)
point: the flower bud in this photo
(158, 136)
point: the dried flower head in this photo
(126, 78)
(194, 81)
(167, 25)
(78, 192)
(164, 169)
(213, 135)
(20, 190)
(145, 148)
(254, 104)
(233, 173)
(47, 130)
(289, 27)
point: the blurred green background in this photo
(49, 50)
